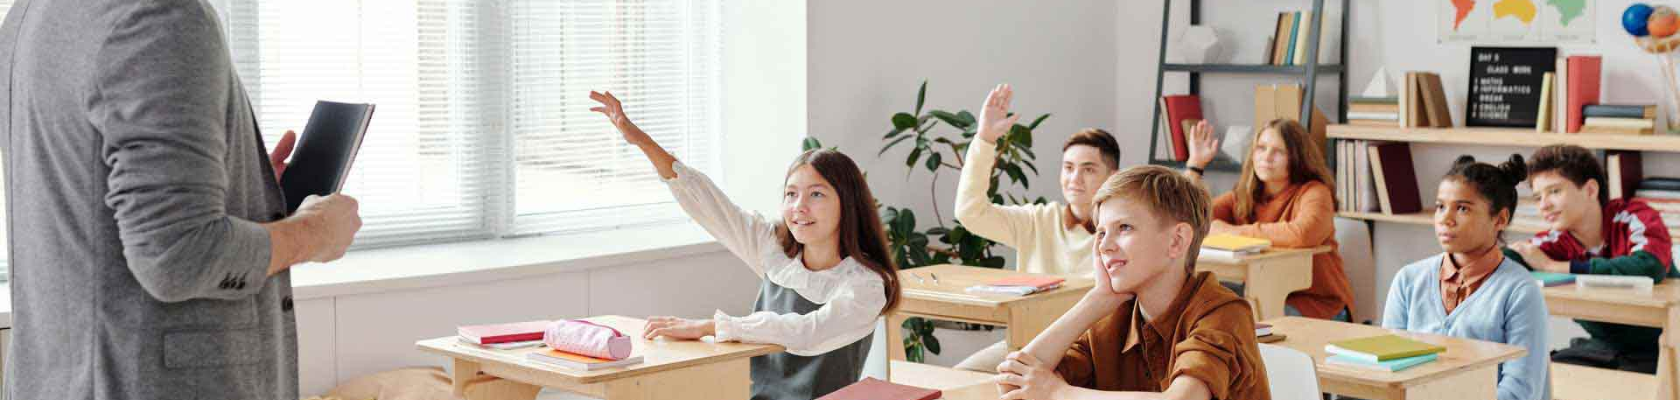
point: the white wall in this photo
(867, 57)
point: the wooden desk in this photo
(983, 391)
(945, 299)
(1469, 369)
(1657, 309)
(935, 377)
(1268, 278)
(669, 370)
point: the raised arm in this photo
(744, 233)
(1003, 224)
(1202, 149)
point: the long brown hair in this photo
(862, 236)
(1306, 164)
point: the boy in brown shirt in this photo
(1151, 324)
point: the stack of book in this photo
(1263, 333)
(1228, 245)
(1017, 285)
(1663, 195)
(1388, 353)
(578, 361)
(1626, 119)
(1376, 176)
(1373, 111)
(503, 336)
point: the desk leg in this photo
(1666, 362)
(722, 380)
(1270, 283)
(464, 372)
(895, 338)
(1480, 384)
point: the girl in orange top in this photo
(1283, 195)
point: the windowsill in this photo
(416, 267)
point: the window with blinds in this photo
(483, 126)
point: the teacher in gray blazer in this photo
(149, 240)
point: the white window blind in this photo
(482, 127)
(572, 170)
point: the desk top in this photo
(1270, 253)
(1662, 295)
(1310, 335)
(919, 283)
(657, 355)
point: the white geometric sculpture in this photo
(1201, 45)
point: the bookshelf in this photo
(1307, 75)
(1507, 137)
(1427, 219)
(1495, 137)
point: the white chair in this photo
(1290, 372)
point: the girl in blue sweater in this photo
(1472, 290)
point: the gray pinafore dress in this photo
(785, 376)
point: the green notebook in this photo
(1549, 279)
(1381, 348)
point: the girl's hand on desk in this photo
(678, 328)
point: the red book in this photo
(503, 333)
(1180, 108)
(1397, 184)
(1583, 88)
(876, 389)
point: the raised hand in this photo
(995, 120)
(1202, 145)
(614, 110)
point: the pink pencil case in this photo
(588, 339)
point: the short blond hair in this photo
(1169, 196)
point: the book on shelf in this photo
(1633, 111)
(1389, 117)
(1395, 365)
(1659, 183)
(1423, 102)
(1305, 33)
(1179, 109)
(1582, 88)
(1543, 119)
(1623, 170)
(1280, 38)
(1381, 348)
(1396, 179)
(1651, 195)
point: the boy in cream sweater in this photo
(1052, 238)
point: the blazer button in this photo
(286, 303)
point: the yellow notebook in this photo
(1236, 243)
(1381, 348)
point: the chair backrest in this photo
(1290, 373)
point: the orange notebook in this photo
(876, 389)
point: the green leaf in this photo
(903, 121)
(990, 262)
(893, 133)
(933, 162)
(966, 117)
(921, 94)
(1031, 167)
(958, 234)
(891, 144)
(931, 342)
(906, 221)
(938, 230)
(1019, 134)
(914, 155)
(811, 143)
(1034, 124)
(913, 354)
(910, 325)
(948, 118)
(1014, 174)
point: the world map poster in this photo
(1516, 21)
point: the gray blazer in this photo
(135, 184)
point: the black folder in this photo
(328, 146)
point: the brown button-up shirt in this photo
(1207, 333)
(1459, 281)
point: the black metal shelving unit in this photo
(1307, 74)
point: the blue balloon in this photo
(1635, 18)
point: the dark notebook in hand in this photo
(325, 151)
(876, 389)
